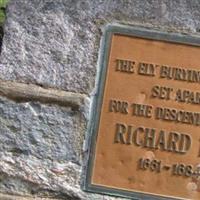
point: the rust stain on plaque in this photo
(149, 121)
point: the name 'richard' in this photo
(152, 138)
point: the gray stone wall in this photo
(50, 56)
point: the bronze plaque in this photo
(145, 125)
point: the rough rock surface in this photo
(40, 150)
(55, 44)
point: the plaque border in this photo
(93, 124)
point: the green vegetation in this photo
(3, 4)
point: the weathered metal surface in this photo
(146, 118)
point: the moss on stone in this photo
(3, 4)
